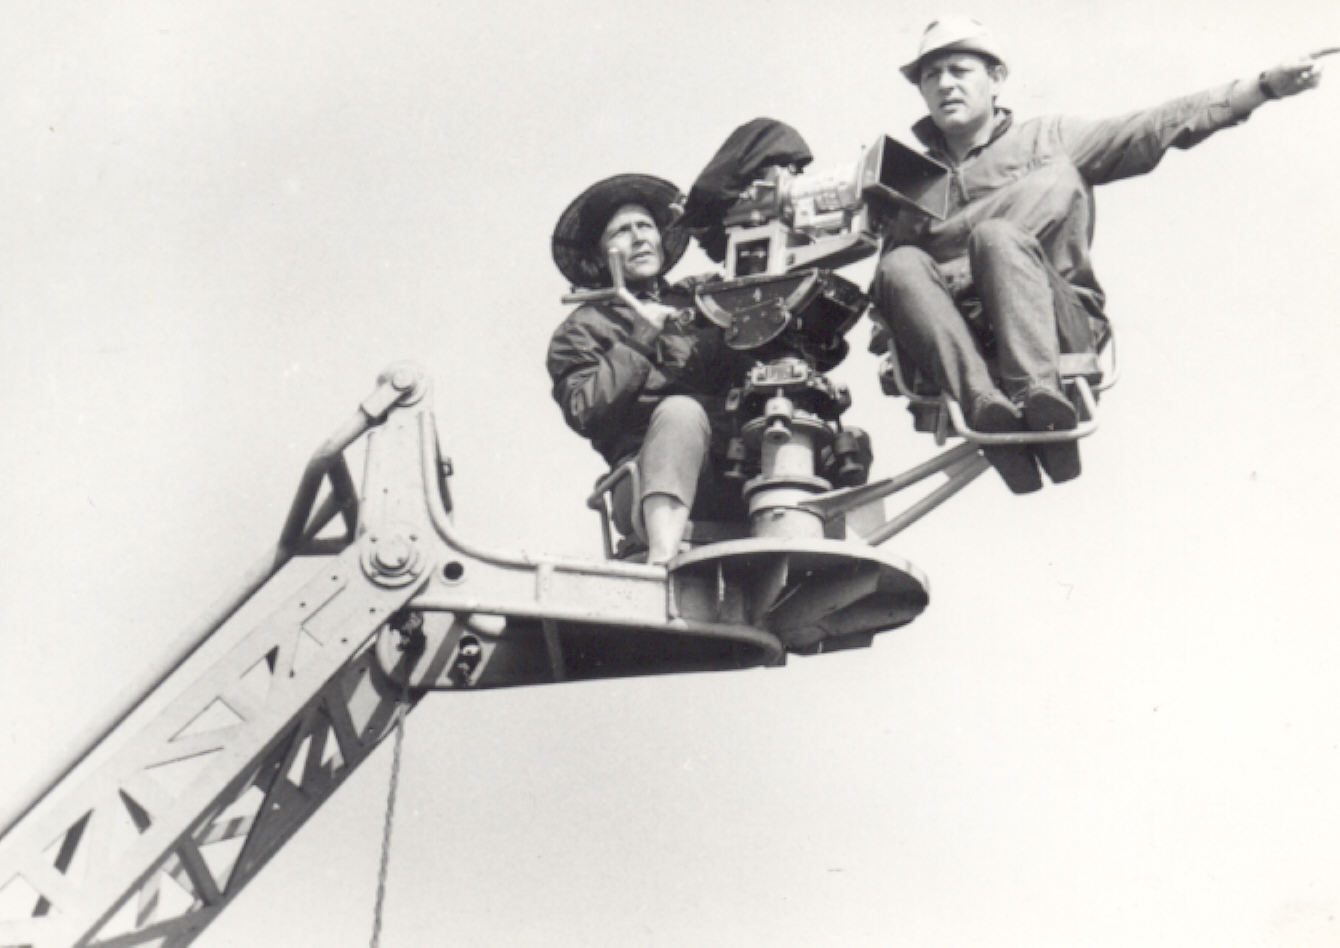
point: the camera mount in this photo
(781, 301)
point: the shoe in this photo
(1046, 408)
(993, 413)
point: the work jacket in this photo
(1040, 174)
(610, 368)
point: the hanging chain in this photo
(402, 708)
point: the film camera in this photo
(779, 232)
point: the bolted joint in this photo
(392, 559)
(401, 383)
(392, 556)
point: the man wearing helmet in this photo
(985, 301)
(638, 376)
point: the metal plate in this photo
(814, 595)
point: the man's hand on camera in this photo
(655, 313)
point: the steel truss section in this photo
(156, 827)
(198, 798)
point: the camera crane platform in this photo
(372, 599)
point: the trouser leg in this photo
(675, 449)
(913, 299)
(1031, 308)
(672, 459)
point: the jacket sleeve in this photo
(1110, 149)
(598, 372)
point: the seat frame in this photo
(1084, 375)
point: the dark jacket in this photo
(610, 368)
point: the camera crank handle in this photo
(618, 291)
(616, 270)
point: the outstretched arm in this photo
(1110, 149)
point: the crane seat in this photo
(1083, 376)
(620, 518)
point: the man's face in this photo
(960, 90)
(633, 232)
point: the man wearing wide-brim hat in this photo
(985, 301)
(637, 374)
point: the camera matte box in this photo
(894, 176)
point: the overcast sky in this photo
(1117, 722)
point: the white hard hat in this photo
(953, 34)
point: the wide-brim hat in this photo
(953, 34)
(577, 234)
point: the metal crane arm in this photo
(237, 737)
(253, 720)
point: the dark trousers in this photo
(1011, 304)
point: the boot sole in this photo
(1051, 411)
(1014, 463)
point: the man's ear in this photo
(999, 73)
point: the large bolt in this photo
(407, 380)
(392, 555)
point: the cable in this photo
(383, 870)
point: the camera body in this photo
(788, 220)
(788, 230)
(781, 301)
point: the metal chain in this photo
(401, 710)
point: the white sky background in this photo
(1117, 722)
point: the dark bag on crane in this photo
(749, 151)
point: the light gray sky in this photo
(1116, 724)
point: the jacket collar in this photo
(930, 135)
